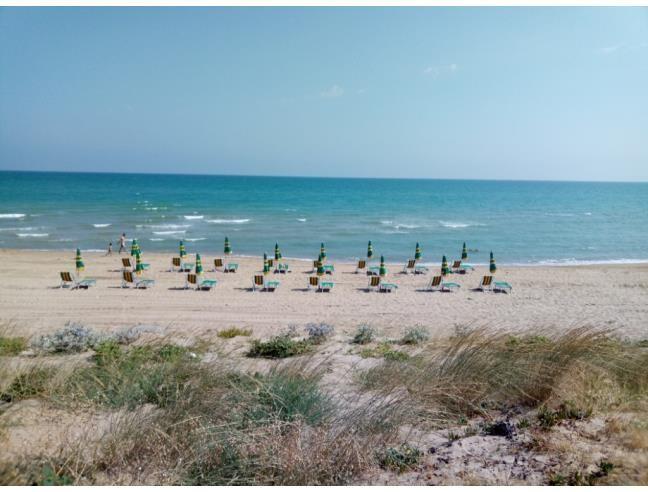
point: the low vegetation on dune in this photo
(176, 417)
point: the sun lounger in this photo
(261, 284)
(362, 266)
(411, 264)
(129, 279)
(502, 287)
(231, 268)
(320, 285)
(460, 267)
(486, 283)
(375, 270)
(218, 263)
(328, 269)
(437, 284)
(126, 264)
(200, 283)
(420, 270)
(282, 268)
(180, 265)
(315, 262)
(374, 283)
(67, 280)
(386, 287)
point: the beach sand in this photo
(543, 298)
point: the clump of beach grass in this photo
(364, 334)
(234, 331)
(12, 345)
(415, 335)
(279, 347)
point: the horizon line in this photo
(158, 173)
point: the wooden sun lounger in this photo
(199, 283)
(68, 280)
(261, 284)
(320, 285)
(437, 284)
(362, 266)
(129, 279)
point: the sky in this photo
(468, 93)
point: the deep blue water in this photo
(522, 222)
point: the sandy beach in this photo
(543, 298)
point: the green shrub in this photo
(31, 384)
(12, 345)
(234, 332)
(279, 347)
(364, 335)
(400, 459)
(385, 351)
(415, 335)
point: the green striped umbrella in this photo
(369, 250)
(493, 266)
(134, 247)
(227, 249)
(266, 266)
(417, 253)
(199, 268)
(320, 266)
(323, 252)
(139, 267)
(79, 262)
(183, 251)
(464, 253)
(382, 271)
(444, 266)
(277, 252)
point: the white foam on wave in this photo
(167, 226)
(100, 226)
(394, 231)
(194, 239)
(194, 217)
(228, 221)
(168, 233)
(11, 216)
(301, 220)
(156, 239)
(459, 225)
(386, 222)
(33, 234)
(18, 228)
(407, 226)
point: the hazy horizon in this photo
(529, 94)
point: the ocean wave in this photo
(386, 222)
(18, 228)
(394, 231)
(194, 217)
(156, 239)
(407, 226)
(459, 225)
(168, 233)
(167, 226)
(32, 234)
(301, 220)
(228, 221)
(194, 239)
(11, 216)
(99, 226)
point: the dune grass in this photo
(234, 332)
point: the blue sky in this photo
(501, 93)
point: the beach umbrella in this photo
(134, 247)
(369, 250)
(417, 253)
(493, 266)
(320, 266)
(277, 252)
(183, 251)
(266, 266)
(228, 249)
(323, 252)
(199, 268)
(464, 253)
(444, 266)
(382, 271)
(139, 267)
(79, 262)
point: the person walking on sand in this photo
(122, 242)
(109, 252)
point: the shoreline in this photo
(171, 253)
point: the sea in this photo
(521, 222)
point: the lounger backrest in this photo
(218, 262)
(126, 262)
(258, 280)
(315, 263)
(270, 262)
(314, 281)
(374, 281)
(66, 277)
(128, 277)
(191, 278)
(362, 264)
(176, 262)
(436, 281)
(456, 264)
(488, 279)
(411, 263)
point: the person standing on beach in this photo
(122, 242)
(109, 252)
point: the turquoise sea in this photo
(521, 222)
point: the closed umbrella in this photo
(277, 252)
(444, 266)
(417, 252)
(79, 262)
(183, 251)
(266, 266)
(382, 271)
(464, 253)
(320, 266)
(228, 248)
(199, 268)
(493, 266)
(134, 247)
(323, 252)
(139, 267)
(369, 250)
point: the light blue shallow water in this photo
(522, 222)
